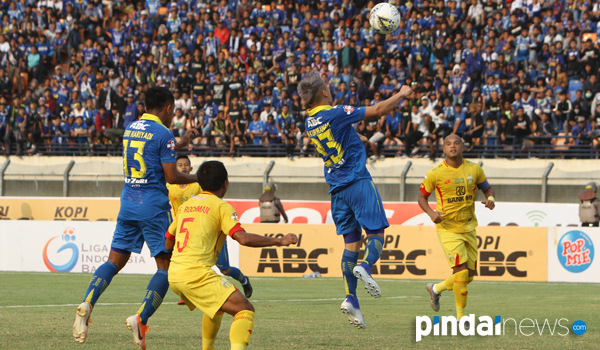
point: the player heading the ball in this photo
(355, 201)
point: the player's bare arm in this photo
(385, 107)
(436, 216)
(253, 240)
(490, 201)
(170, 243)
(174, 177)
(186, 139)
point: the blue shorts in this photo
(223, 261)
(358, 205)
(130, 235)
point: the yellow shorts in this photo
(207, 292)
(459, 248)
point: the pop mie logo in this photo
(575, 251)
(68, 236)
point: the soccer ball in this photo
(384, 18)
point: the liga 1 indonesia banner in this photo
(69, 246)
(409, 252)
(53, 246)
(572, 254)
(299, 212)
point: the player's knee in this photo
(224, 271)
(249, 307)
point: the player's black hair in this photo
(157, 98)
(183, 156)
(211, 175)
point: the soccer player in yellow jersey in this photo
(178, 194)
(455, 182)
(196, 237)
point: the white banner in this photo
(518, 214)
(69, 246)
(571, 254)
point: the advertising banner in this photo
(52, 246)
(299, 212)
(572, 255)
(414, 252)
(67, 246)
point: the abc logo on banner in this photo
(575, 251)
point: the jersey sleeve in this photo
(428, 184)
(348, 115)
(166, 146)
(230, 222)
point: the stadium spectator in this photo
(469, 52)
(589, 213)
(270, 206)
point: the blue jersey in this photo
(330, 129)
(147, 145)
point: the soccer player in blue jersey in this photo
(149, 161)
(355, 201)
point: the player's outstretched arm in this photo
(186, 139)
(254, 240)
(383, 108)
(174, 177)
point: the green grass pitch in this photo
(37, 312)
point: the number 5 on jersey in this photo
(324, 147)
(138, 156)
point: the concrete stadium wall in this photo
(300, 179)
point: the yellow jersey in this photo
(178, 195)
(200, 228)
(455, 190)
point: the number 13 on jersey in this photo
(137, 156)
(331, 150)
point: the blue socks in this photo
(372, 251)
(156, 291)
(349, 259)
(237, 274)
(101, 279)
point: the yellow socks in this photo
(210, 328)
(241, 330)
(461, 279)
(445, 285)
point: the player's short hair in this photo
(183, 156)
(211, 175)
(310, 87)
(158, 97)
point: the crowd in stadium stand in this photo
(499, 73)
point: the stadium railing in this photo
(490, 147)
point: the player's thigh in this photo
(472, 252)
(223, 260)
(366, 204)
(154, 232)
(342, 214)
(454, 246)
(208, 292)
(128, 236)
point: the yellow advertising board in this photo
(36, 208)
(409, 252)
